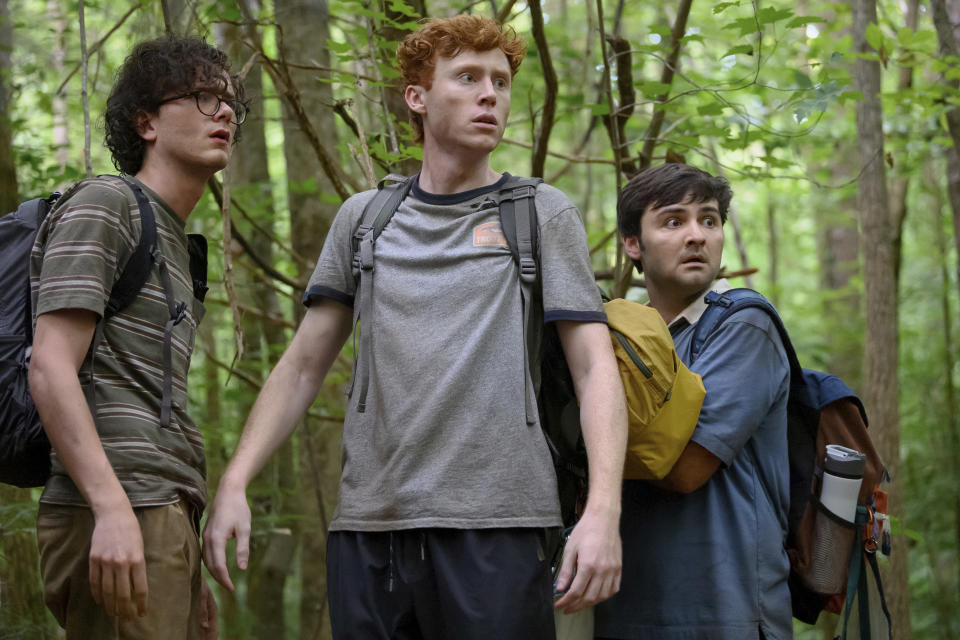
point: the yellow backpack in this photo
(663, 396)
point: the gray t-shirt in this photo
(444, 440)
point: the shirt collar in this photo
(695, 309)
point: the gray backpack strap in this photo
(518, 220)
(375, 217)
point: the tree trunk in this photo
(9, 195)
(61, 139)
(880, 240)
(304, 23)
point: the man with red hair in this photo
(447, 488)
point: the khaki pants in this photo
(172, 551)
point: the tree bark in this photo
(304, 23)
(879, 249)
(9, 193)
(542, 138)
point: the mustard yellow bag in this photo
(663, 396)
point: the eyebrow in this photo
(475, 68)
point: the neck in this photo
(180, 190)
(670, 306)
(444, 172)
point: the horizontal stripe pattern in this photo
(80, 251)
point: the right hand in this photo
(229, 518)
(118, 570)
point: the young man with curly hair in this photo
(119, 516)
(446, 487)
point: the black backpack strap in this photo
(518, 221)
(376, 215)
(134, 275)
(720, 306)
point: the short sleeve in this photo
(745, 372)
(333, 275)
(82, 242)
(570, 291)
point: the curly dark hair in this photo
(153, 70)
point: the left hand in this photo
(208, 612)
(594, 554)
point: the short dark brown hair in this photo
(664, 185)
(154, 70)
(447, 37)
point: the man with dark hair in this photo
(119, 516)
(703, 549)
(447, 483)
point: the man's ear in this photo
(631, 246)
(145, 127)
(413, 94)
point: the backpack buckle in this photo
(713, 297)
(528, 269)
(525, 191)
(366, 252)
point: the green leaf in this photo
(740, 48)
(653, 88)
(769, 15)
(802, 21)
(802, 80)
(694, 37)
(601, 109)
(874, 36)
(720, 6)
(339, 47)
(661, 30)
(330, 197)
(711, 109)
(403, 8)
(745, 25)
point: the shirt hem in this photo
(349, 524)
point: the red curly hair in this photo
(447, 37)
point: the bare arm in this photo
(118, 578)
(290, 389)
(594, 547)
(693, 468)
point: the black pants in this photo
(436, 584)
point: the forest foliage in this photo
(770, 95)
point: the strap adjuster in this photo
(528, 269)
(366, 252)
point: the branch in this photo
(676, 38)
(84, 56)
(260, 313)
(627, 101)
(505, 10)
(562, 156)
(96, 47)
(215, 189)
(542, 139)
(228, 270)
(280, 76)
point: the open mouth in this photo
(221, 134)
(696, 259)
(485, 119)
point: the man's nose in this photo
(695, 234)
(487, 92)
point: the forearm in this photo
(286, 395)
(290, 389)
(69, 426)
(603, 419)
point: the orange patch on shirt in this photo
(489, 235)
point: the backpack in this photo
(663, 395)
(24, 447)
(821, 410)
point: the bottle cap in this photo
(844, 461)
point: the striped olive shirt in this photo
(80, 251)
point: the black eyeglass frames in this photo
(208, 104)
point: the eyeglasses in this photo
(209, 104)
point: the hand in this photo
(229, 518)
(118, 571)
(208, 612)
(593, 553)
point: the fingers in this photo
(209, 623)
(243, 547)
(139, 574)
(215, 556)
